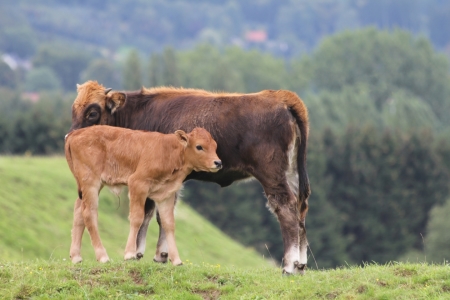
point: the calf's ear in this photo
(182, 137)
(115, 100)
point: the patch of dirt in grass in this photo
(24, 292)
(207, 295)
(136, 276)
(332, 295)
(382, 283)
(96, 271)
(446, 288)
(361, 289)
(405, 272)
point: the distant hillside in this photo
(36, 203)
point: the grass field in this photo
(36, 207)
(144, 280)
(36, 203)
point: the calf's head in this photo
(200, 150)
(94, 105)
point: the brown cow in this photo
(151, 164)
(261, 135)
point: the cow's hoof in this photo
(162, 258)
(76, 259)
(300, 268)
(139, 255)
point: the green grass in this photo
(36, 201)
(139, 280)
(36, 207)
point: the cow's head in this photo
(200, 150)
(94, 105)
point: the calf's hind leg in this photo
(138, 191)
(90, 216)
(77, 232)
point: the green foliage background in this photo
(378, 155)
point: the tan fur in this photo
(151, 164)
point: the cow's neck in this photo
(128, 116)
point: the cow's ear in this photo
(115, 100)
(182, 137)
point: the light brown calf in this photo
(151, 164)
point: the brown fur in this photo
(151, 164)
(254, 133)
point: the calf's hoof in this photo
(162, 258)
(76, 259)
(139, 255)
(103, 259)
(177, 262)
(130, 256)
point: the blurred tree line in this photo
(378, 156)
(290, 26)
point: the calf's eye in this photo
(199, 147)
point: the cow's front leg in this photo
(142, 234)
(137, 194)
(161, 254)
(77, 232)
(165, 209)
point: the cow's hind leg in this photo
(285, 207)
(77, 232)
(166, 211)
(302, 238)
(142, 234)
(161, 254)
(284, 204)
(137, 194)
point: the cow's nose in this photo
(218, 164)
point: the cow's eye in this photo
(199, 147)
(93, 114)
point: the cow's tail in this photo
(300, 113)
(70, 162)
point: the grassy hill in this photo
(137, 280)
(36, 206)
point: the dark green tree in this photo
(41, 79)
(132, 72)
(170, 73)
(437, 240)
(103, 71)
(155, 70)
(67, 63)
(8, 78)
